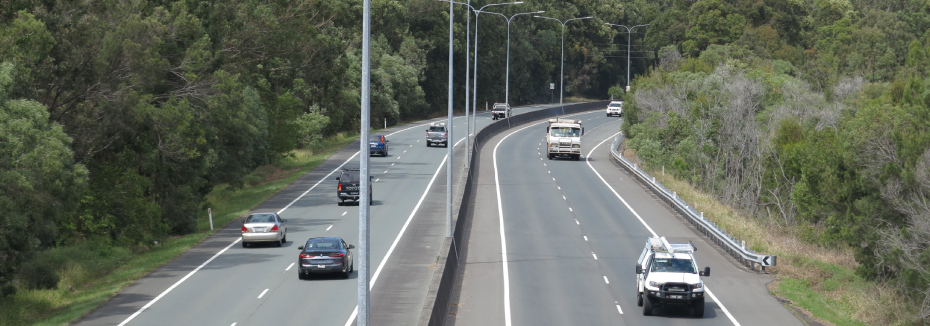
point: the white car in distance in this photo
(615, 108)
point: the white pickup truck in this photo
(563, 138)
(667, 275)
(501, 111)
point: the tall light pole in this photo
(629, 35)
(449, 129)
(562, 70)
(467, 73)
(509, 19)
(364, 299)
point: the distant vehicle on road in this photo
(667, 275)
(263, 227)
(437, 134)
(563, 138)
(377, 145)
(615, 108)
(325, 255)
(348, 186)
(501, 111)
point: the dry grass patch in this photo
(820, 280)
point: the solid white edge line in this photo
(263, 294)
(178, 283)
(384, 260)
(724, 309)
(500, 214)
(289, 267)
(131, 317)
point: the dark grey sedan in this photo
(325, 255)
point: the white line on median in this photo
(289, 267)
(374, 278)
(706, 289)
(500, 214)
(263, 294)
(605, 280)
(595, 256)
(146, 306)
(585, 237)
(620, 310)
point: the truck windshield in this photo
(565, 132)
(673, 266)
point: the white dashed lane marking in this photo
(330, 227)
(289, 267)
(263, 293)
(605, 280)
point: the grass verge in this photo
(820, 281)
(90, 273)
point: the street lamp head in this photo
(518, 2)
(589, 17)
(539, 12)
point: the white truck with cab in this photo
(667, 275)
(563, 138)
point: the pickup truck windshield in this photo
(673, 266)
(565, 132)
(615, 105)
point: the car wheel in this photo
(647, 307)
(284, 239)
(300, 275)
(698, 308)
(351, 266)
(277, 243)
(639, 299)
(245, 244)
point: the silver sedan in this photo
(264, 227)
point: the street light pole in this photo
(629, 31)
(509, 19)
(364, 291)
(468, 73)
(449, 130)
(562, 70)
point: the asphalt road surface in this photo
(555, 242)
(218, 282)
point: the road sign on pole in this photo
(551, 85)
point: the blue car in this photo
(377, 145)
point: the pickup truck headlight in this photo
(655, 284)
(697, 286)
(576, 145)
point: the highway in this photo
(555, 242)
(218, 282)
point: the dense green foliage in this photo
(120, 116)
(811, 114)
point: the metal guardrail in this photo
(729, 243)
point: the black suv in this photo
(348, 187)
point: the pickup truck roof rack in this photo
(660, 244)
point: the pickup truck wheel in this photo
(550, 156)
(699, 308)
(427, 143)
(647, 307)
(639, 299)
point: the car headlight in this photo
(554, 145)
(576, 145)
(697, 286)
(655, 284)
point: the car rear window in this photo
(375, 138)
(435, 128)
(349, 176)
(260, 218)
(322, 244)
